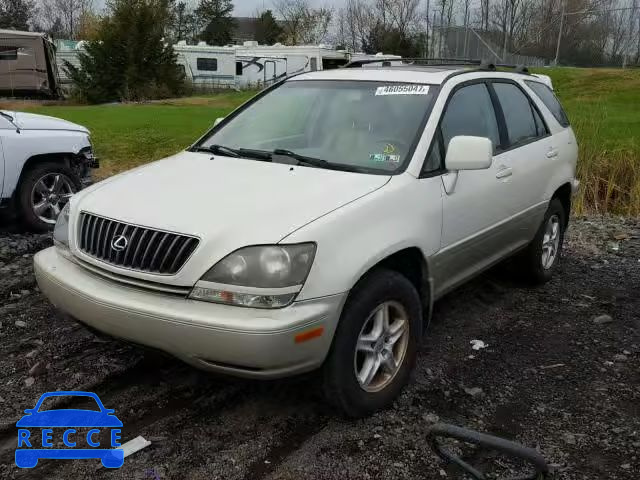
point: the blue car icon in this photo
(80, 418)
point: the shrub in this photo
(131, 61)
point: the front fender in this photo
(405, 213)
(20, 147)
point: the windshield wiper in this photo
(316, 162)
(11, 119)
(235, 152)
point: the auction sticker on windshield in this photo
(402, 90)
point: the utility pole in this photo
(560, 32)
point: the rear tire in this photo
(537, 263)
(39, 197)
(350, 382)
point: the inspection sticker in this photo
(403, 90)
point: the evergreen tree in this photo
(268, 31)
(218, 23)
(131, 61)
(16, 14)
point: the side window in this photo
(518, 113)
(8, 53)
(470, 112)
(314, 64)
(550, 100)
(239, 68)
(207, 64)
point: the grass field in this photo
(604, 107)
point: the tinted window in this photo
(518, 113)
(208, 64)
(8, 53)
(551, 102)
(470, 112)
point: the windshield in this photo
(369, 125)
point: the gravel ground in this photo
(561, 373)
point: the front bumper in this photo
(238, 341)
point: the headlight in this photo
(61, 230)
(267, 276)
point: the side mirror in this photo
(469, 153)
(218, 120)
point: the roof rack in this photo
(484, 65)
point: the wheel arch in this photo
(62, 158)
(412, 264)
(563, 193)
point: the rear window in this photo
(550, 100)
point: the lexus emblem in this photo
(119, 243)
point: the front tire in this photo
(43, 192)
(375, 345)
(539, 260)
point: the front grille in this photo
(145, 249)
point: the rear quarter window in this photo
(550, 100)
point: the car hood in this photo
(69, 418)
(228, 202)
(32, 121)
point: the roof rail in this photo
(483, 65)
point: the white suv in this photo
(316, 225)
(43, 162)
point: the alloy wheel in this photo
(382, 346)
(49, 196)
(551, 242)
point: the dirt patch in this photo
(552, 377)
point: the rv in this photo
(257, 72)
(206, 66)
(67, 51)
(27, 64)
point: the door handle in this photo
(552, 153)
(504, 172)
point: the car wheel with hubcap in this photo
(378, 337)
(540, 259)
(43, 193)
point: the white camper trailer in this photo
(300, 58)
(67, 51)
(258, 72)
(206, 66)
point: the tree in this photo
(72, 14)
(180, 21)
(268, 31)
(216, 15)
(131, 61)
(16, 14)
(302, 23)
(391, 40)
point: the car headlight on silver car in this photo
(61, 230)
(267, 276)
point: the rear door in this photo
(528, 150)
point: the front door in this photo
(477, 203)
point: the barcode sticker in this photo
(403, 90)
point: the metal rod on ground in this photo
(560, 33)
